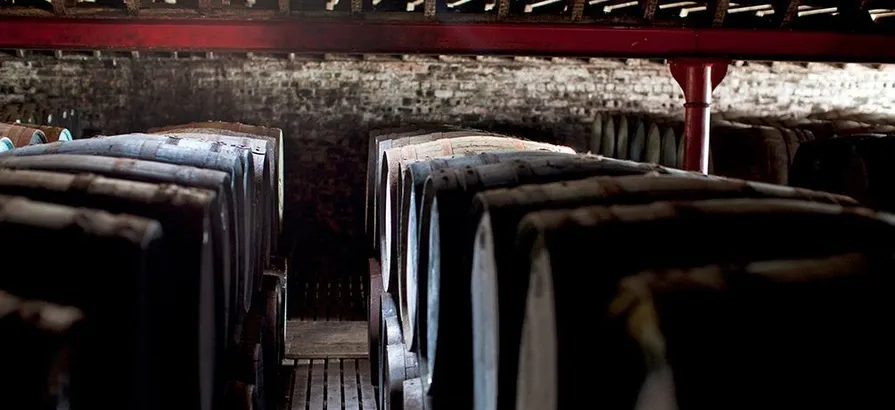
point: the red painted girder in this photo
(355, 36)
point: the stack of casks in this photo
(33, 123)
(754, 149)
(637, 137)
(764, 149)
(516, 278)
(852, 155)
(155, 286)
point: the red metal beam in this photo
(346, 36)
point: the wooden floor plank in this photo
(368, 399)
(322, 339)
(318, 384)
(349, 383)
(333, 384)
(300, 388)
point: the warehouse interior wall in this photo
(327, 104)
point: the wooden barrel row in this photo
(181, 301)
(855, 165)
(789, 318)
(460, 298)
(392, 151)
(20, 135)
(432, 145)
(59, 124)
(637, 138)
(499, 272)
(772, 143)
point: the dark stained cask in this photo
(446, 235)
(237, 163)
(224, 209)
(759, 324)
(412, 182)
(103, 265)
(499, 285)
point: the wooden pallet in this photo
(330, 384)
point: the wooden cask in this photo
(374, 317)
(178, 151)
(756, 153)
(607, 146)
(381, 140)
(52, 134)
(263, 185)
(266, 168)
(412, 183)
(669, 148)
(720, 323)
(224, 210)
(40, 350)
(273, 135)
(396, 144)
(414, 398)
(391, 166)
(398, 364)
(595, 140)
(445, 244)
(747, 345)
(194, 308)
(22, 136)
(253, 358)
(652, 149)
(102, 265)
(858, 166)
(275, 308)
(637, 150)
(623, 136)
(499, 285)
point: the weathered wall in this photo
(327, 106)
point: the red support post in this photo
(697, 78)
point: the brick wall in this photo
(326, 107)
